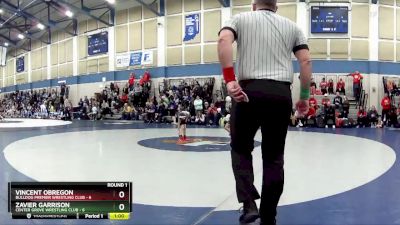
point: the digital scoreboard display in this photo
(332, 19)
(98, 43)
(89, 200)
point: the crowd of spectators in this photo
(336, 114)
(44, 103)
(329, 87)
(131, 100)
(128, 100)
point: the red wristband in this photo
(229, 74)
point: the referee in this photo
(262, 98)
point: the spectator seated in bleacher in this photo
(338, 101)
(300, 120)
(212, 116)
(105, 109)
(137, 93)
(339, 120)
(323, 86)
(200, 119)
(313, 87)
(362, 119)
(124, 98)
(345, 107)
(93, 115)
(372, 116)
(131, 81)
(392, 119)
(330, 86)
(386, 106)
(84, 111)
(311, 116)
(126, 112)
(340, 87)
(329, 115)
(198, 105)
(325, 100)
(150, 112)
(313, 102)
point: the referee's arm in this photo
(304, 59)
(225, 51)
(303, 56)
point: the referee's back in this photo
(265, 42)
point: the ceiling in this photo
(23, 16)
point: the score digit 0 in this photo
(121, 194)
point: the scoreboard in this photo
(98, 43)
(329, 19)
(88, 200)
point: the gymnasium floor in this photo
(342, 176)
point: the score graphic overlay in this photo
(329, 19)
(62, 200)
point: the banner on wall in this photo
(134, 59)
(20, 64)
(192, 26)
(122, 60)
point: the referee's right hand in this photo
(302, 106)
(235, 91)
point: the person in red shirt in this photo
(211, 117)
(124, 98)
(131, 81)
(340, 87)
(323, 85)
(326, 100)
(362, 118)
(386, 104)
(311, 115)
(313, 102)
(146, 76)
(357, 84)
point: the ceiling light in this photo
(21, 36)
(6, 44)
(1, 11)
(111, 1)
(69, 13)
(40, 26)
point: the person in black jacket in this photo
(338, 101)
(329, 115)
(373, 116)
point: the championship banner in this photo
(192, 26)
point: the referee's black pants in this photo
(269, 107)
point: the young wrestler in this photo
(183, 117)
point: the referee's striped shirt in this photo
(265, 42)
